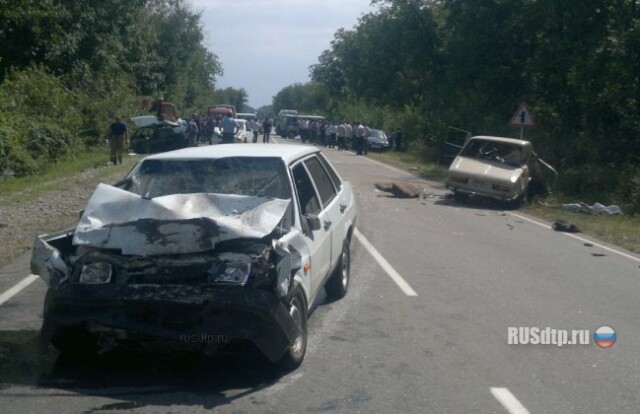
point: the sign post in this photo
(523, 118)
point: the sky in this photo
(265, 45)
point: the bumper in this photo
(494, 196)
(181, 315)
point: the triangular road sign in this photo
(523, 117)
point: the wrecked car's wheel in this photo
(522, 200)
(338, 284)
(297, 350)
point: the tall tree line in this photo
(68, 66)
(429, 64)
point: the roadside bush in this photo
(15, 161)
(49, 142)
(590, 182)
(629, 187)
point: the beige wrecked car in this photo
(500, 168)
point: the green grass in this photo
(623, 231)
(59, 175)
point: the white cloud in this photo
(265, 45)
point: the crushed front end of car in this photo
(194, 271)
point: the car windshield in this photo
(252, 176)
(501, 152)
(378, 133)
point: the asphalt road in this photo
(436, 344)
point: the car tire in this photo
(522, 200)
(338, 283)
(297, 350)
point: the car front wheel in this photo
(338, 283)
(298, 348)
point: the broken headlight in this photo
(231, 268)
(96, 273)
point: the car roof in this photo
(511, 141)
(287, 152)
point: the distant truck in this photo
(222, 110)
(164, 110)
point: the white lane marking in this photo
(582, 239)
(508, 401)
(395, 276)
(17, 288)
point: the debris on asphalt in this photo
(399, 189)
(598, 254)
(581, 207)
(511, 226)
(588, 245)
(561, 225)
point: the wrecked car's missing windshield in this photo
(509, 154)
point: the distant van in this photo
(246, 116)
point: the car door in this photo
(319, 240)
(341, 209)
(330, 216)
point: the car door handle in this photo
(327, 224)
(343, 207)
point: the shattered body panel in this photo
(173, 224)
(162, 270)
(171, 313)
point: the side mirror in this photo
(313, 221)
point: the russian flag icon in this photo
(604, 337)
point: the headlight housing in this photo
(234, 269)
(96, 273)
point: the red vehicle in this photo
(221, 110)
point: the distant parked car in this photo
(378, 140)
(245, 134)
(504, 169)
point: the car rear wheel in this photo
(338, 283)
(298, 348)
(522, 200)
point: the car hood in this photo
(145, 120)
(152, 121)
(485, 170)
(175, 224)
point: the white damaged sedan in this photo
(231, 241)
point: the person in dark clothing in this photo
(399, 139)
(118, 138)
(266, 130)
